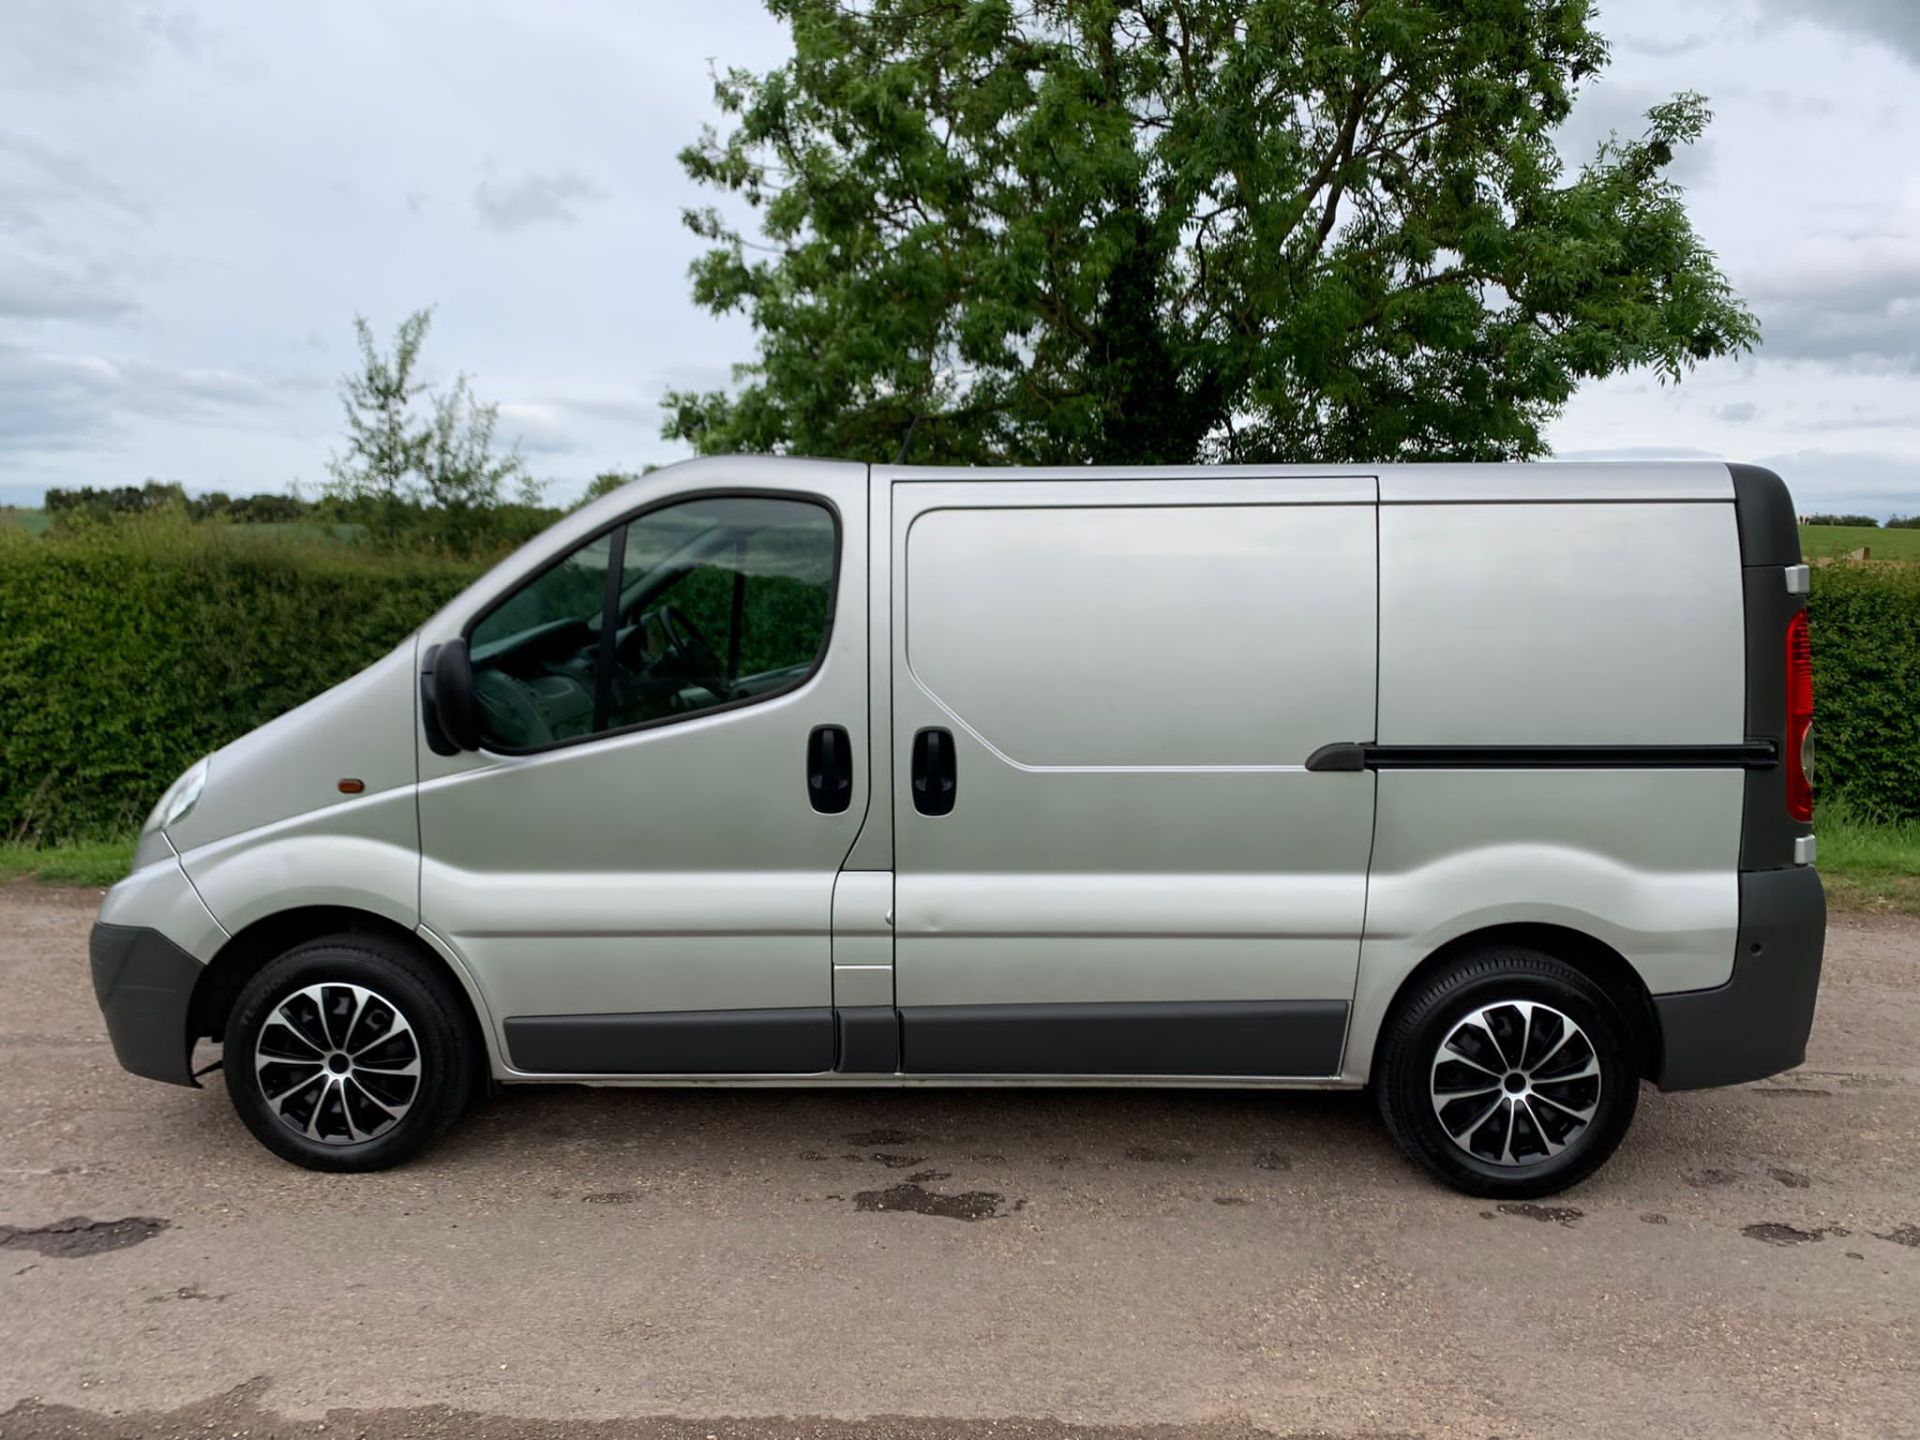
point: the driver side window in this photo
(713, 602)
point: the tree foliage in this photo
(402, 462)
(1177, 230)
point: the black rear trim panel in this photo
(1763, 509)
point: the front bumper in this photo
(1757, 1023)
(144, 983)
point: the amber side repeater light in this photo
(352, 787)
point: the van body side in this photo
(804, 772)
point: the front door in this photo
(638, 867)
(1110, 858)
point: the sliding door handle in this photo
(829, 769)
(933, 775)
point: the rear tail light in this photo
(1799, 719)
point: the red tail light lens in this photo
(1799, 719)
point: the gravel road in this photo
(731, 1265)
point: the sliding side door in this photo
(1110, 858)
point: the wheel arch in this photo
(1592, 957)
(252, 948)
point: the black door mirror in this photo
(447, 703)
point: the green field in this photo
(34, 522)
(1843, 539)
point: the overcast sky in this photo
(196, 198)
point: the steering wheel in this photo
(691, 647)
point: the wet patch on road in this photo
(1654, 1217)
(612, 1197)
(1565, 1215)
(1231, 1200)
(1271, 1160)
(1792, 1179)
(923, 1177)
(1792, 1092)
(918, 1200)
(1908, 1235)
(77, 1237)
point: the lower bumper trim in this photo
(1757, 1023)
(144, 983)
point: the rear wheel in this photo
(348, 1053)
(1508, 1074)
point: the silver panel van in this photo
(1484, 787)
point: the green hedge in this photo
(127, 652)
(1864, 621)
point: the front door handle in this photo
(829, 769)
(933, 774)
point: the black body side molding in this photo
(1241, 1037)
(868, 1039)
(676, 1042)
(1354, 755)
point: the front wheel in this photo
(1507, 1074)
(348, 1053)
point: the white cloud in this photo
(530, 200)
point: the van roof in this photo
(1608, 480)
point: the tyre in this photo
(349, 1053)
(1507, 1074)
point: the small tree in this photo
(461, 475)
(400, 462)
(385, 441)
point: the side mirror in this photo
(447, 704)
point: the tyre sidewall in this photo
(446, 1055)
(1514, 975)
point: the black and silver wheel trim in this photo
(338, 1063)
(1515, 1083)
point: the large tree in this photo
(1175, 230)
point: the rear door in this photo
(1110, 858)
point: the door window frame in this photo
(610, 600)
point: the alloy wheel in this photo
(338, 1063)
(1515, 1083)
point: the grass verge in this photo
(1868, 865)
(95, 863)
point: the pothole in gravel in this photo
(77, 1237)
(1774, 1232)
(918, 1200)
(1545, 1214)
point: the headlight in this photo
(180, 797)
